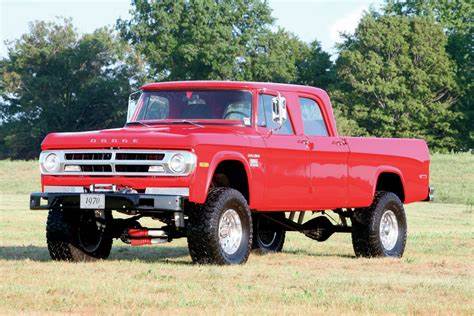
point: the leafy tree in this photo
(395, 79)
(55, 80)
(457, 19)
(315, 67)
(212, 39)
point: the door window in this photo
(264, 118)
(313, 121)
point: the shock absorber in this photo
(146, 236)
(147, 241)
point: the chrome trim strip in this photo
(63, 189)
(168, 191)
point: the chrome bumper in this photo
(113, 201)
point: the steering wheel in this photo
(234, 112)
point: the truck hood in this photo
(159, 137)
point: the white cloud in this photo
(346, 24)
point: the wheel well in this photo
(391, 182)
(232, 174)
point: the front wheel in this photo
(381, 229)
(78, 235)
(220, 231)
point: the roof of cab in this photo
(204, 84)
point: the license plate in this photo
(93, 201)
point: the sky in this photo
(321, 20)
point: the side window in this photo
(265, 116)
(313, 121)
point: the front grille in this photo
(88, 156)
(132, 168)
(96, 168)
(139, 156)
(112, 162)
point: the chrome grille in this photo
(88, 156)
(96, 168)
(112, 162)
(139, 156)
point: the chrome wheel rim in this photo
(230, 231)
(388, 230)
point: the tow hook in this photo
(100, 219)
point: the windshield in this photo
(195, 105)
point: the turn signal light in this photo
(72, 168)
(156, 169)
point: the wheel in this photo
(78, 235)
(381, 229)
(268, 236)
(220, 231)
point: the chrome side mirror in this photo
(279, 113)
(132, 104)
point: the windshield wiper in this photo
(137, 123)
(164, 123)
(187, 122)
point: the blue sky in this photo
(308, 19)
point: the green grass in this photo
(453, 178)
(452, 175)
(435, 276)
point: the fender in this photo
(387, 169)
(203, 176)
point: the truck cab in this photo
(231, 166)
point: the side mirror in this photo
(132, 104)
(279, 113)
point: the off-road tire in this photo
(63, 244)
(203, 228)
(366, 239)
(261, 242)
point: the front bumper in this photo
(113, 201)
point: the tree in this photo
(55, 80)
(456, 17)
(395, 79)
(211, 39)
(315, 67)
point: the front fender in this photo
(205, 169)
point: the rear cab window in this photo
(264, 117)
(312, 117)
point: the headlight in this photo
(177, 163)
(51, 163)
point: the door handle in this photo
(339, 142)
(303, 141)
(306, 142)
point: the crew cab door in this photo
(286, 166)
(328, 158)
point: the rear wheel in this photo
(220, 231)
(268, 236)
(381, 229)
(79, 235)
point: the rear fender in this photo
(387, 169)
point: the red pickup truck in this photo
(231, 166)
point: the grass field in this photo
(435, 276)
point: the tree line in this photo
(405, 72)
